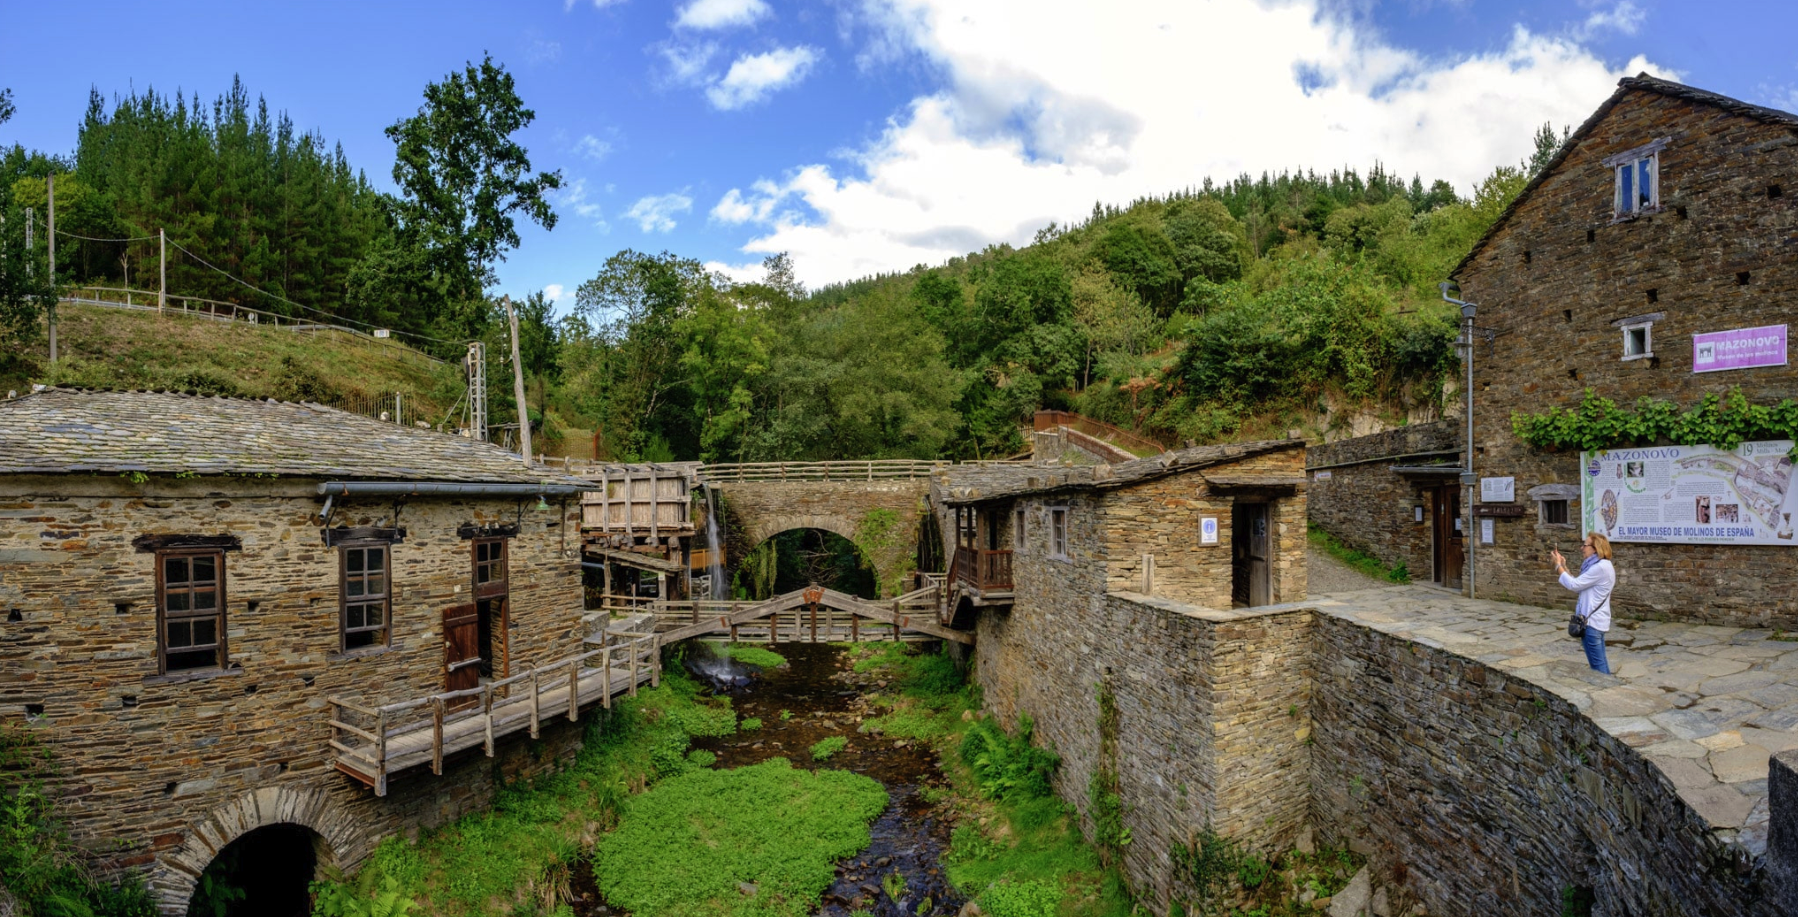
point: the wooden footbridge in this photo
(373, 742)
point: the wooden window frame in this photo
(165, 618)
(1647, 351)
(1631, 161)
(1058, 532)
(492, 587)
(344, 600)
(1018, 539)
(1566, 508)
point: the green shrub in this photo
(825, 747)
(1021, 899)
(1008, 766)
(682, 848)
(750, 724)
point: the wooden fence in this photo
(866, 470)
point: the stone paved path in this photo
(1706, 704)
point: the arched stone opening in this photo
(796, 557)
(264, 873)
(339, 842)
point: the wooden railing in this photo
(1131, 442)
(372, 742)
(869, 470)
(983, 570)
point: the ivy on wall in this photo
(1598, 423)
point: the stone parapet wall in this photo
(1557, 277)
(760, 510)
(1354, 495)
(1483, 794)
(153, 765)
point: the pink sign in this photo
(1739, 349)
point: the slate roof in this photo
(963, 484)
(1639, 82)
(63, 431)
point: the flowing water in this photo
(714, 550)
(817, 695)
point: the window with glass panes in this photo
(191, 598)
(366, 609)
(489, 567)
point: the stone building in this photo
(1395, 495)
(1151, 583)
(188, 584)
(1651, 258)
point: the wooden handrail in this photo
(1099, 429)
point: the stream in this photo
(824, 696)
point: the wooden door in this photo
(461, 647)
(1446, 543)
(1251, 549)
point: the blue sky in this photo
(868, 135)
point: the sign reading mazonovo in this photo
(1690, 494)
(1742, 348)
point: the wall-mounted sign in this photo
(1499, 510)
(1323, 476)
(1498, 490)
(1417, 512)
(1486, 528)
(1691, 494)
(1208, 530)
(1742, 348)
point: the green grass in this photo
(750, 654)
(515, 858)
(1361, 561)
(117, 348)
(824, 748)
(683, 847)
(907, 722)
(750, 724)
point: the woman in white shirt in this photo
(1594, 583)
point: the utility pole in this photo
(1469, 478)
(162, 288)
(524, 417)
(477, 390)
(50, 189)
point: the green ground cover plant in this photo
(516, 858)
(750, 654)
(684, 848)
(824, 748)
(43, 869)
(1358, 560)
(750, 724)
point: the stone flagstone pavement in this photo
(1706, 704)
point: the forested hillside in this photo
(1261, 307)
(1251, 309)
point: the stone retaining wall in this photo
(1482, 794)
(760, 510)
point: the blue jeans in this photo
(1594, 642)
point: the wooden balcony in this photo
(984, 571)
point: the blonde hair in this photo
(1600, 545)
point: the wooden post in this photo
(487, 714)
(774, 629)
(524, 417)
(1148, 574)
(895, 620)
(855, 628)
(655, 663)
(630, 647)
(381, 753)
(437, 736)
(50, 189)
(605, 677)
(814, 622)
(533, 703)
(162, 290)
(574, 691)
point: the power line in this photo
(290, 302)
(92, 239)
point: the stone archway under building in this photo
(269, 813)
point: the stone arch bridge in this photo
(878, 505)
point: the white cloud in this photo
(1049, 107)
(750, 272)
(574, 197)
(1623, 16)
(656, 212)
(543, 52)
(593, 148)
(753, 76)
(568, 5)
(557, 294)
(687, 63)
(721, 14)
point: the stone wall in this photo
(160, 770)
(1482, 794)
(1355, 496)
(760, 510)
(1555, 280)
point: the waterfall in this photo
(714, 550)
